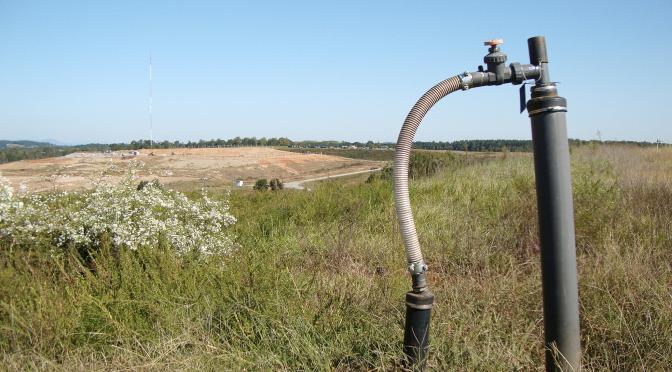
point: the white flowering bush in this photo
(131, 217)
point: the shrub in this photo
(276, 184)
(261, 184)
(130, 217)
(421, 164)
(385, 174)
(426, 164)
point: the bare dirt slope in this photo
(180, 168)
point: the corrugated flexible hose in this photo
(400, 175)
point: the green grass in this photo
(318, 279)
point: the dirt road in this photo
(298, 185)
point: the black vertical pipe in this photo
(416, 328)
(556, 218)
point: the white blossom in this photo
(132, 218)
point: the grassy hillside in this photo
(380, 155)
(318, 278)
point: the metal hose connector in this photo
(401, 158)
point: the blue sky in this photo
(77, 72)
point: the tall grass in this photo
(318, 279)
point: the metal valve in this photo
(493, 42)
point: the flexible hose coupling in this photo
(466, 79)
(416, 268)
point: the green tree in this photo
(261, 184)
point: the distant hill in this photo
(23, 144)
(23, 150)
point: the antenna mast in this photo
(151, 119)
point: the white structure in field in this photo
(238, 183)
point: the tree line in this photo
(9, 154)
(232, 142)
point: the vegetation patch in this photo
(319, 278)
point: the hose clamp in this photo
(417, 267)
(547, 109)
(466, 80)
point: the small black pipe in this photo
(537, 49)
(556, 218)
(539, 57)
(416, 329)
